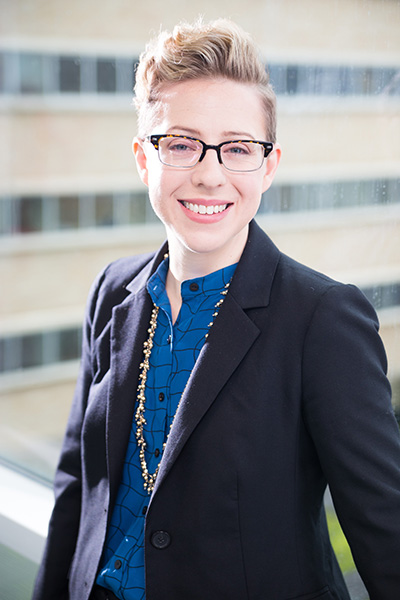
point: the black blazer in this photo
(289, 393)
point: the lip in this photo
(203, 211)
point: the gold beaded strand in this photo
(150, 479)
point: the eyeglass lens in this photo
(236, 156)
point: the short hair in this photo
(219, 49)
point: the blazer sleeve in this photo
(347, 408)
(52, 579)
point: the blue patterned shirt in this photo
(175, 351)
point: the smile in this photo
(205, 210)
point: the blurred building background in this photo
(71, 200)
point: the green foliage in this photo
(339, 543)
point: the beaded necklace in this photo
(150, 479)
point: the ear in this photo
(271, 166)
(141, 159)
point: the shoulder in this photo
(303, 278)
(110, 286)
(264, 263)
(292, 288)
(307, 285)
(118, 274)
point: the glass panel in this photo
(292, 73)
(30, 214)
(384, 296)
(70, 344)
(106, 77)
(70, 74)
(10, 354)
(2, 73)
(104, 210)
(139, 206)
(6, 216)
(38, 349)
(69, 212)
(32, 351)
(125, 76)
(17, 575)
(31, 74)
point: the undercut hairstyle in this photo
(216, 50)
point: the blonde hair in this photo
(219, 49)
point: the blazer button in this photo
(160, 540)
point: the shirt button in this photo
(161, 396)
(160, 540)
(194, 287)
(118, 564)
(157, 452)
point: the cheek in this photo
(251, 190)
(161, 191)
(165, 183)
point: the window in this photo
(330, 195)
(104, 210)
(384, 296)
(29, 214)
(38, 349)
(106, 75)
(68, 216)
(34, 73)
(50, 213)
(32, 214)
(70, 74)
(318, 80)
(31, 73)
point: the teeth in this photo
(205, 210)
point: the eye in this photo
(181, 145)
(238, 149)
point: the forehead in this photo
(210, 107)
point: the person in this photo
(223, 385)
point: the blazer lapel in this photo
(220, 356)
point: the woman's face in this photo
(206, 209)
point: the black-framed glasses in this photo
(184, 152)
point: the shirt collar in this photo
(193, 291)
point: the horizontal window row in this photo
(30, 214)
(39, 349)
(50, 347)
(19, 215)
(35, 73)
(28, 73)
(334, 80)
(329, 195)
(383, 296)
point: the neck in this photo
(185, 264)
(173, 289)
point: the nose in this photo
(209, 171)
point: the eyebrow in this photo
(225, 134)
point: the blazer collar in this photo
(252, 282)
(138, 283)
